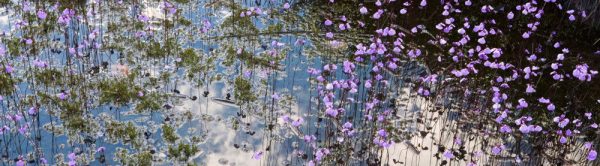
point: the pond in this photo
(324, 82)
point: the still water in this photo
(220, 82)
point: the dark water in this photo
(272, 83)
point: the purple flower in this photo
(368, 84)
(40, 64)
(561, 120)
(347, 125)
(319, 155)
(524, 129)
(328, 22)
(72, 156)
(526, 35)
(392, 65)
(331, 112)
(23, 129)
(468, 3)
(309, 138)
(348, 66)
(522, 103)
(377, 14)
(2, 51)
(592, 155)
(510, 15)
(32, 111)
(544, 100)
(382, 133)
(9, 69)
(505, 129)
(72, 163)
(62, 95)
(41, 14)
(563, 140)
(481, 40)
(557, 45)
(582, 73)
(275, 96)
(572, 18)
(342, 27)
(423, 91)
(329, 86)
(72, 51)
(529, 89)
(143, 18)
(551, 107)
(100, 149)
(587, 114)
(257, 155)
(20, 162)
(363, 10)
(329, 35)
(286, 5)
(66, 15)
(496, 150)
(458, 141)
(297, 122)
(448, 154)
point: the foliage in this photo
(243, 90)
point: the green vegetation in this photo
(169, 134)
(143, 158)
(7, 84)
(243, 90)
(189, 58)
(183, 151)
(120, 91)
(155, 50)
(149, 102)
(184, 22)
(49, 77)
(124, 131)
(182, 1)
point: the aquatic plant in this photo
(322, 82)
